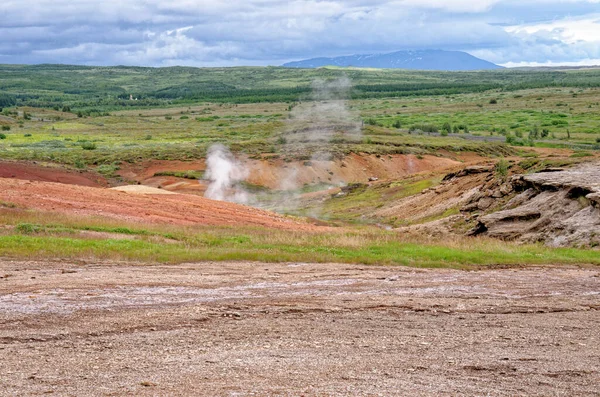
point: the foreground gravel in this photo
(243, 329)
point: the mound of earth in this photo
(451, 193)
(558, 207)
(49, 173)
(354, 168)
(275, 173)
(141, 189)
(180, 209)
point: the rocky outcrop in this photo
(557, 207)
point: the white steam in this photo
(317, 125)
(325, 116)
(316, 133)
(225, 174)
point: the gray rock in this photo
(551, 209)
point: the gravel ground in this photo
(243, 329)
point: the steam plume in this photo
(314, 129)
(225, 174)
(316, 125)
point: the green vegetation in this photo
(191, 174)
(94, 90)
(131, 242)
(83, 117)
(501, 168)
(358, 199)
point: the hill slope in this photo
(416, 60)
(175, 209)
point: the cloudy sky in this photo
(271, 32)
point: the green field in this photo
(181, 111)
(83, 87)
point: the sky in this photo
(272, 32)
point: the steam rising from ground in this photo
(325, 118)
(314, 129)
(316, 126)
(225, 174)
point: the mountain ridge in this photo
(407, 59)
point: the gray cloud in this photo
(260, 32)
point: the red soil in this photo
(146, 169)
(178, 209)
(37, 172)
(273, 173)
(353, 168)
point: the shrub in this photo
(107, 170)
(79, 163)
(425, 128)
(446, 128)
(501, 168)
(27, 228)
(534, 133)
(6, 128)
(461, 127)
(493, 101)
(2, 136)
(26, 135)
(88, 146)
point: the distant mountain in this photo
(418, 60)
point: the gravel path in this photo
(296, 329)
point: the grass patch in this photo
(190, 174)
(307, 249)
(43, 236)
(8, 204)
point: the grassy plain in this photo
(180, 133)
(79, 116)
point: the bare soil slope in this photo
(49, 173)
(274, 173)
(180, 209)
(353, 168)
(222, 329)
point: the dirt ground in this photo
(176, 209)
(242, 329)
(271, 172)
(49, 173)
